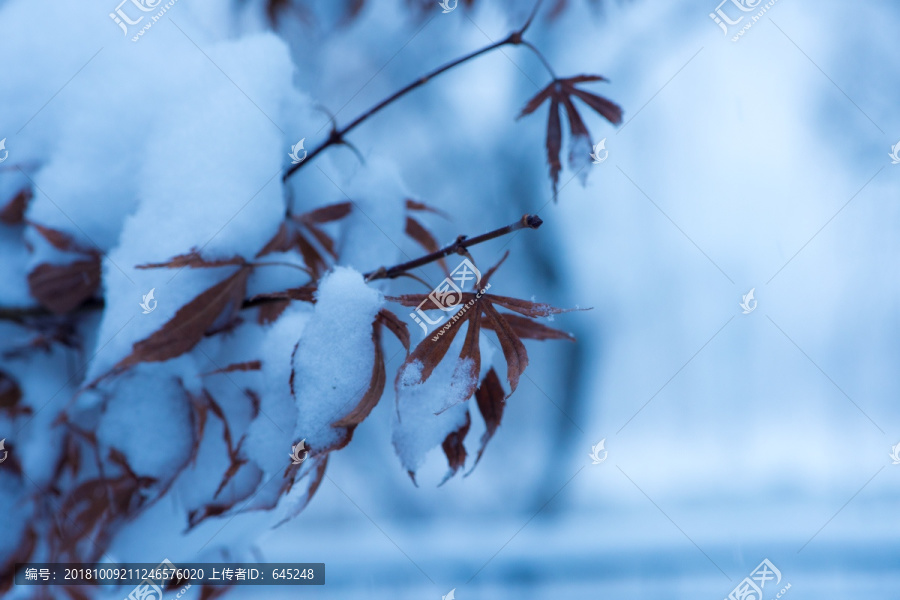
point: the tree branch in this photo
(22, 314)
(460, 246)
(337, 135)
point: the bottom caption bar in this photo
(167, 576)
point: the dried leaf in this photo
(531, 309)
(11, 396)
(305, 293)
(454, 449)
(432, 350)
(324, 240)
(491, 401)
(211, 592)
(312, 258)
(560, 91)
(554, 143)
(13, 213)
(469, 364)
(424, 238)
(282, 241)
(326, 214)
(299, 231)
(61, 240)
(21, 554)
(531, 330)
(608, 110)
(185, 330)
(513, 349)
(417, 206)
(319, 474)
(269, 313)
(193, 259)
(252, 365)
(376, 385)
(397, 327)
(255, 401)
(63, 288)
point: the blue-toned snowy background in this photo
(732, 438)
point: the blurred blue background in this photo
(732, 438)
(762, 164)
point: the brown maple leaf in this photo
(479, 311)
(420, 233)
(13, 212)
(11, 396)
(305, 234)
(560, 91)
(195, 319)
(63, 288)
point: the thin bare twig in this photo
(460, 246)
(337, 135)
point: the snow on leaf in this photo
(433, 349)
(335, 366)
(376, 386)
(183, 331)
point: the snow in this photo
(334, 357)
(270, 437)
(373, 232)
(417, 426)
(147, 149)
(148, 418)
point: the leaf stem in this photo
(545, 62)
